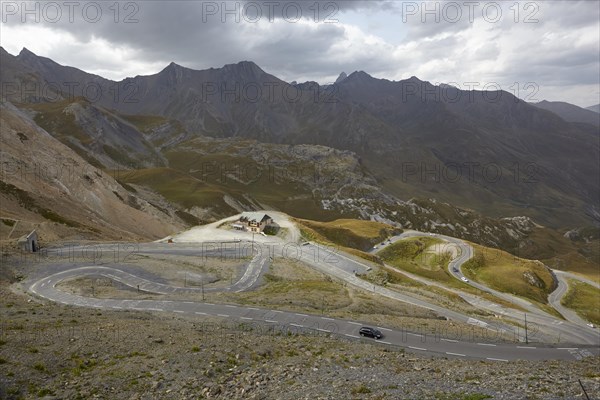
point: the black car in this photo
(370, 332)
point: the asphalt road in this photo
(573, 330)
(563, 286)
(329, 261)
(459, 347)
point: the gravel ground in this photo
(59, 352)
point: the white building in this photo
(253, 221)
(29, 242)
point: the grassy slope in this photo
(585, 299)
(558, 252)
(382, 276)
(233, 173)
(504, 272)
(177, 187)
(52, 118)
(145, 123)
(295, 286)
(327, 238)
(352, 233)
(149, 124)
(410, 255)
(293, 198)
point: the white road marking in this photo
(276, 311)
(455, 354)
(223, 315)
(450, 340)
(526, 347)
(381, 341)
(414, 334)
(354, 323)
(246, 318)
(354, 336)
(417, 348)
(384, 329)
(117, 307)
(329, 319)
(156, 309)
(200, 313)
(252, 308)
(270, 321)
(299, 326)
(496, 359)
(178, 311)
(323, 330)
(230, 306)
(486, 344)
(567, 348)
(301, 315)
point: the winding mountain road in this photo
(458, 347)
(574, 329)
(555, 298)
(328, 261)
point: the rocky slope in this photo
(44, 183)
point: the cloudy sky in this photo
(534, 49)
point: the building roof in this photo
(255, 216)
(25, 238)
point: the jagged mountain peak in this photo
(241, 70)
(414, 79)
(360, 75)
(173, 66)
(244, 68)
(340, 78)
(26, 52)
(27, 56)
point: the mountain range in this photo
(488, 151)
(595, 108)
(571, 113)
(185, 146)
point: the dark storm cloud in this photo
(556, 46)
(203, 33)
